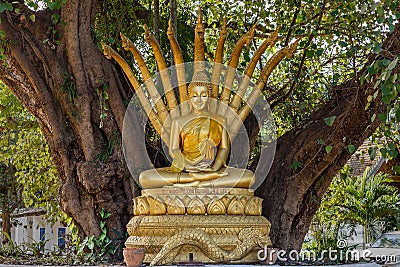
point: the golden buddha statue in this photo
(198, 205)
(199, 147)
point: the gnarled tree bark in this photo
(40, 73)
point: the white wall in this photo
(28, 231)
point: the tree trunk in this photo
(156, 20)
(6, 223)
(9, 198)
(43, 75)
(43, 71)
(173, 10)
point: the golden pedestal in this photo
(212, 224)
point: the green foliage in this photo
(36, 248)
(40, 4)
(55, 37)
(296, 165)
(328, 149)
(103, 97)
(34, 252)
(366, 200)
(25, 149)
(9, 248)
(370, 200)
(10, 189)
(335, 46)
(94, 249)
(68, 87)
(7, 6)
(351, 148)
(116, 16)
(329, 121)
(109, 148)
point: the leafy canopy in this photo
(24, 150)
(366, 200)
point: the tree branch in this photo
(294, 82)
(291, 26)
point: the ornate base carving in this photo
(214, 225)
(197, 201)
(210, 238)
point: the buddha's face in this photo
(199, 98)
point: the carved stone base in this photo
(197, 201)
(212, 224)
(210, 238)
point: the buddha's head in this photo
(199, 91)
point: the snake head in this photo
(107, 50)
(125, 41)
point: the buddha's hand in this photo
(206, 168)
(203, 176)
(191, 184)
(200, 167)
(210, 169)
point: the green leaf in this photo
(9, 6)
(382, 117)
(372, 153)
(380, 11)
(385, 62)
(336, 77)
(105, 95)
(296, 165)
(32, 17)
(371, 70)
(387, 99)
(377, 83)
(393, 78)
(393, 64)
(328, 149)
(329, 121)
(90, 245)
(377, 48)
(383, 152)
(397, 115)
(102, 237)
(51, 5)
(351, 148)
(373, 117)
(321, 141)
(385, 90)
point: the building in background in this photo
(29, 227)
(361, 159)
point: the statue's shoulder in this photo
(181, 120)
(218, 118)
